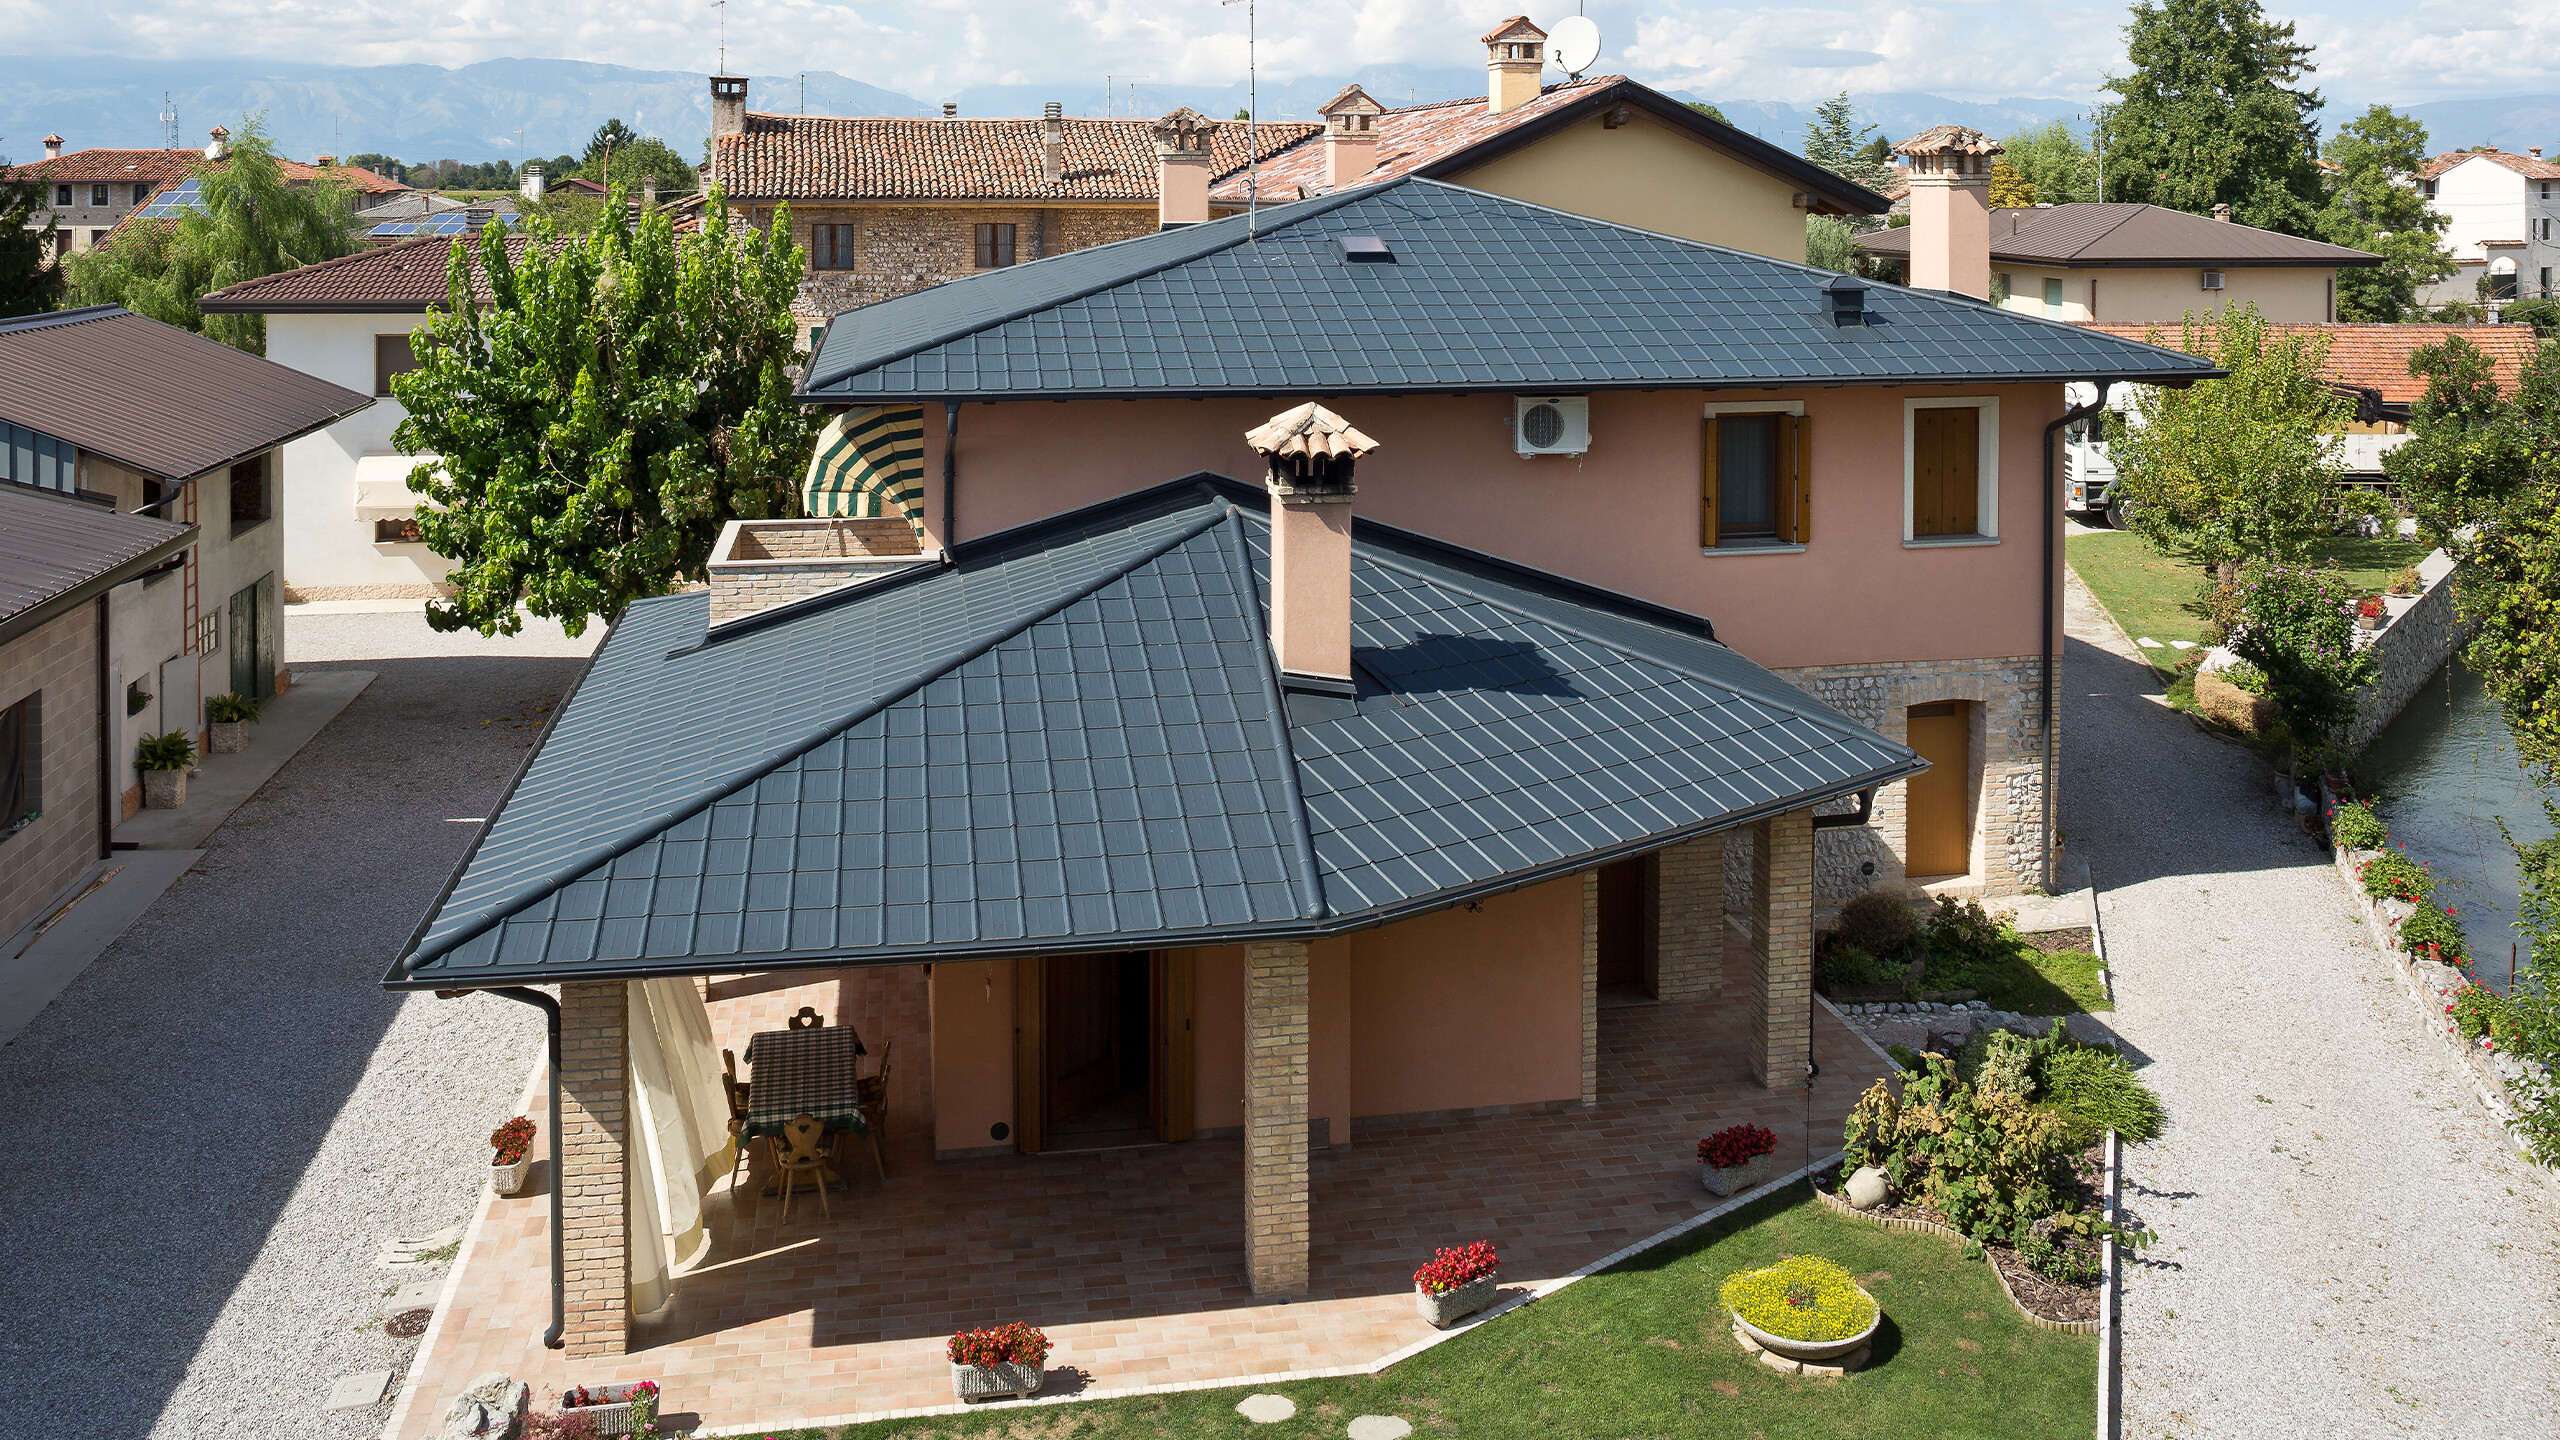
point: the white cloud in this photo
(2433, 50)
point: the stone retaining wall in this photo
(2417, 637)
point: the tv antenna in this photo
(1252, 118)
(1111, 107)
(804, 92)
(168, 120)
(723, 7)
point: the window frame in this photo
(997, 244)
(382, 377)
(262, 469)
(1986, 511)
(831, 246)
(61, 196)
(1797, 509)
(28, 761)
(98, 196)
(141, 194)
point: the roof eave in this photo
(53, 606)
(209, 305)
(1524, 385)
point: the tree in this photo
(2008, 187)
(2053, 162)
(29, 282)
(617, 150)
(2210, 117)
(1835, 140)
(610, 136)
(386, 166)
(618, 398)
(1711, 112)
(2243, 468)
(2371, 206)
(1829, 244)
(2298, 627)
(249, 223)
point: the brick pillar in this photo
(1781, 948)
(595, 1067)
(1688, 942)
(1590, 988)
(1275, 1118)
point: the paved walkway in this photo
(2346, 1247)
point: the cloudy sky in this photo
(1969, 49)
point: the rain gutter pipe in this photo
(2044, 825)
(950, 475)
(550, 1008)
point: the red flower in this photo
(1736, 1145)
(1449, 1269)
(1017, 1343)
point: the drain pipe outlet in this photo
(2045, 658)
(550, 1008)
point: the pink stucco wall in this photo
(1624, 516)
(1456, 1009)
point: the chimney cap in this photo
(1185, 131)
(1518, 27)
(950, 109)
(1053, 110)
(1351, 101)
(1949, 140)
(53, 139)
(1308, 429)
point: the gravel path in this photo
(2347, 1248)
(217, 1125)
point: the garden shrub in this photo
(2481, 1013)
(2434, 932)
(2299, 629)
(2241, 675)
(1901, 1055)
(1875, 922)
(2059, 1256)
(2094, 1090)
(1803, 1297)
(2354, 826)
(1964, 934)
(1984, 1159)
(2392, 875)
(1845, 964)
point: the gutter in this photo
(2048, 720)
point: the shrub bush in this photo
(1875, 922)
(2434, 932)
(1737, 1145)
(1983, 1158)
(2066, 1258)
(2241, 675)
(1018, 1343)
(2354, 826)
(1803, 1297)
(173, 751)
(1963, 934)
(232, 709)
(2392, 875)
(1845, 964)
(2093, 1090)
(2481, 1013)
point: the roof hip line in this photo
(753, 771)
(1302, 840)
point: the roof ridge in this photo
(1302, 839)
(370, 252)
(45, 319)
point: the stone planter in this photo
(1734, 1179)
(1451, 1306)
(509, 1179)
(164, 789)
(613, 1417)
(1809, 1349)
(981, 1382)
(227, 737)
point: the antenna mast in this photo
(168, 120)
(1252, 118)
(723, 7)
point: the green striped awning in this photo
(869, 465)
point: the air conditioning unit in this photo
(2213, 279)
(1550, 424)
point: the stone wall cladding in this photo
(1275, 1117)
(761, 585)
(902, 249)
(1781, 915)
(589, 1167)
(2407, 652)
(307, 594)
(1689, 911)
(58, 662)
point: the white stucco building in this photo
(2502, 222)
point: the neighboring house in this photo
(154, 420)
(350, 530)
(2137, 264)
(62, 555)
(94, 191)
(2502, 213)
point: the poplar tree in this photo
(29, 281)
(2211, 116)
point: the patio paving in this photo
(1131, 1259)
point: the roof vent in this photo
(2213, 279)
(1847, 297)
(1363, 250)
(950, 109)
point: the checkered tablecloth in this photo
(803, 1072)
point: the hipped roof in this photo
(2086, 235)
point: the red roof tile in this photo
(2531, 167)
(2376, 357)
(398, 279)
(882, 158)
(161, 167)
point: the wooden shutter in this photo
(1707, 483)
(1795, 479)
(1946, 471)
(1030, 1057)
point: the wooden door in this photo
(1082, 1007)
(1626, 923)
(1170, 1063)
(1938, 830)
(1030, 1056)
(1946, 471)
(243, 640)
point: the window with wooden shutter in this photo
(1946, 471)
(1755, 484)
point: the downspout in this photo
(950, 474)
(550, 1009)
(110, 743)
(2052, 599)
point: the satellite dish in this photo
(1574, 44)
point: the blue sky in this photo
(1968, 49)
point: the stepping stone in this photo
(416, 1295)
(1380, 1427)
(2182, 644)
(2147, 643)
(1267, 1409)
(357, 1392)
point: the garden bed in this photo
(2053, 1304)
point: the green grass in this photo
(1645, 1350)
(2029, 981)
(2150, 594)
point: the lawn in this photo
(2028, 981)
(1645, 1350)
(2150, 593)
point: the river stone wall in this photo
(2418, 636)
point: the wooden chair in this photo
(808, 1019)
(871, 1093)
(802, 1149)
(736, 1090)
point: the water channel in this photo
(2446, 773)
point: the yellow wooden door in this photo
(1938, 833)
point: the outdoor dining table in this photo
(804, 1072)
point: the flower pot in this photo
(164, 789)
(979, 1382)
(227, 737)
(2368, 622)
(508, 1179)
(1734, 1179)
(1451, 1306)
(1809, 1349)
(613, 1416)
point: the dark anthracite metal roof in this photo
(2123, 235)
(1072, 738)
(1486, 293)
(56, 551)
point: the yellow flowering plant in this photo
(1803, 1297)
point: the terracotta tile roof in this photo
(162, 167)
(398, 279)
(2531, 167)
(2083, 234)
(882, 158)
(2376, 357)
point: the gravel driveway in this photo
(218, 1123)
(2347, 1248)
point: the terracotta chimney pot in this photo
(2222, 213)
(1950, 174)
(1514, 58)
(53, 147)
(1350, 136)
(1311, 451)
(1182, 168)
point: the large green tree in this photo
(2238, 469)
(618, 397)
(2052, 160)
(2372, 207)
(250, 223)
(616, 153)
(1834, 140)
(2210, 115)
(29, 280)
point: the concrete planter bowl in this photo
(509, 1179)
(1734, 1179)
(1781, 1346)
(1451, 1306)
(983, 1382)
(164, 789)
(227, 737)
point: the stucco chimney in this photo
(2534, 150)
(1053, 143)
(950, 109)
(53, 147)
(648, 192)
(218, 146)
(1311, 451)
(2222, 213)
(1515, 56)
(529, 182)
(1350, 136)
(760, 564)
(1950, 175)
(1182, 168)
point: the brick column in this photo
(1688, 908)
(595, 1067)
(1590, 988)
(1275, 1118)
(1781, 948)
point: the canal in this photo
(2446, 773)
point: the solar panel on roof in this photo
(173, 202)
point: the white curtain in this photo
(680, 1131)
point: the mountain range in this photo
(504, 109)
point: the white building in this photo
(2502, 214)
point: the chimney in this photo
(2222, 213)
(648, 192)
(53, 147)
(219, 146)
(760, 564)
(950, 109)
(1350, 136)
(2534, 150)
(1311, 451)
(1182, 168)
(1053, 143)
(1515, 56)
(529, 181)
(1950, 175)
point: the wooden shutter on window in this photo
(1707, 496)
(1946, 471)
(1795, 479)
